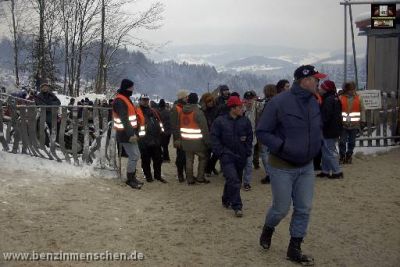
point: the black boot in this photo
(265, 180)
(181, 177)
(132, 181)
(294, 252)
(342, 159)
(348, 158)
(266, 235)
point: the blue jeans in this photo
(348, 137)
(330, 160)
(248, 169)
(289, 185)
(264, 157)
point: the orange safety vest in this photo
(352, 114)
(135, 116)
(189, 128)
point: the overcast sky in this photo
(294, 23)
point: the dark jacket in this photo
(331, 113)
(222, 108)
(210, 114)
(166, 120)
(232, 139)
(121, 109)
(47, 99)
(153, 129)
(291, 127)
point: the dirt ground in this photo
(355, 221)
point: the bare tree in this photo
(15, 33)
(118, 29)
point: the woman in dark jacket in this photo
(211, 112)
(331, 113)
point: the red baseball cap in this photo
(234, 101)
(328, 85)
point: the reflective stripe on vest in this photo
(142, 131)
(189, 128)
(353, 114)
(132, 114)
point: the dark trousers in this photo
(164, 146)
(347, 138)
(148, 154)
(211, 161)
(180, 161)
(256, 155)
(233, 181)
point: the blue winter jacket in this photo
(291, 126)
(231, 138)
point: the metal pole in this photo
(354, 47)
(345, 45)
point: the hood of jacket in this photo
(189, 108)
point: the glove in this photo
(133, 139)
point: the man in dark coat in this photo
(150, 143)
(290, 126)
(231, 139)
(47, 98)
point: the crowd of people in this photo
(289, 128)
(294, 129)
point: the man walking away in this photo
(126, 120)
(194, 138)
(290, 127)
(232, 138)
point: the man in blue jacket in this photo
(291, 128)
(231, 138)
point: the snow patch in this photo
(57, 170)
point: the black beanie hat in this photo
(223, 87)
(125, 84)
(193, 98)
(161, 104)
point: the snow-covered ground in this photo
(58, 170)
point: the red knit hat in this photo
(328, 85)
(234, 101)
